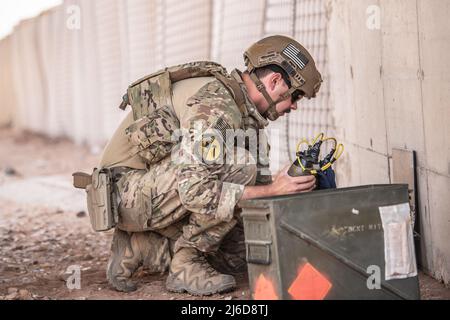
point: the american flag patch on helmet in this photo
(295, 55)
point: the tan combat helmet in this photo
(293, 58)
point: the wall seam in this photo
(354, 108)
(222, 27)
(211, 29)
(288, 140)
(263, 20)
(386, 122)
(429, 258)
(355, 145)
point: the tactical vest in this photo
(150, 135)
(151, 132)
(155, 90)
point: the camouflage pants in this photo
(149, 201)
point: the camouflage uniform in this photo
(188, 207)
(167, 192)
(194, 204)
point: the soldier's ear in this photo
(276, 79)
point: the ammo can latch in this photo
(258, 252)
(258, 238)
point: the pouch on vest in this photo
(153, 112)
(155, 90)
(151, 135)
(101, 202)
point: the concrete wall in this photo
(390, 88)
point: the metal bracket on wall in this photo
(404, 171)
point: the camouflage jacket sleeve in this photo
(201, 163)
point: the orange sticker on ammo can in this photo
(310, 284)
(264, 289)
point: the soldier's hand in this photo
(285, 184)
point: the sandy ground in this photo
(45, 230)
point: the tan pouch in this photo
(81, 180)
(152, 134)
(101, 201)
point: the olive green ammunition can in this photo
(327, 244)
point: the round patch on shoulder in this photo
(211, 149)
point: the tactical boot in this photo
(230, 258)
(228, 262)
(189, 271)
(129, 251)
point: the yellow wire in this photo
(340, 148)
(300, 143)
(336, 155)
(317, 138)
(298, 151)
